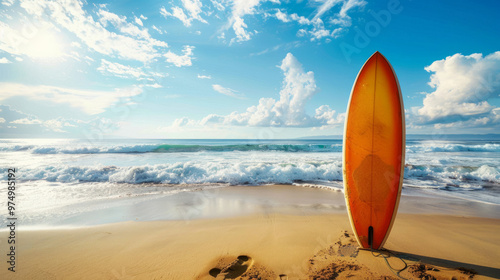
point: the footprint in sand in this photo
(347, 246)
(235, 269)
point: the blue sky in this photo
(240, 69)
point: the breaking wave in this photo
(194, 172)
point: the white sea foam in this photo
(189, 173)
(253, 173)
(487, 173)
(338, 187)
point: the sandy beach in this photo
(220, 139)
(276, 241)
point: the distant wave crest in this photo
(438, 147)
(172, 148)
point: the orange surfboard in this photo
(374, 152)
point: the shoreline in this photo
(230, 201)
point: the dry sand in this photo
(295, 247)
(268, 245)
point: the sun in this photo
(45, 44)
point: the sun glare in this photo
(45, 44)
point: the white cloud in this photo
(326, 6)
(8, 2)
(27, 121)
(120, 70)
(319, 33)
(114, 19)
(143, 17)
(324, 112)
(301, 33)
(135, 31)
(138, 21)
(2, 120)
(54, 125)
(211, 119)
(342, 18)
(157, 29)
(317, 29)
(181, 60)
(346, 6)
(240, 31)
(184, 121)
(204, 76)
(226, 91)
(303, 20)
(158, 74)
(155, 85)
(125, 27)
(193, 8)
(177, 13)
(4, 60)
(164, 12)
(289, 111)
(463, 86)
(239, 10)
(475, 123)
(289, 45)
(326, 116)
(28, 125)
(124, 71)
(282, 16)
(349, 5)
(69, 14)
(88, 101)
(298, 87)
(218, 5)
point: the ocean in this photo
(60, 178)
